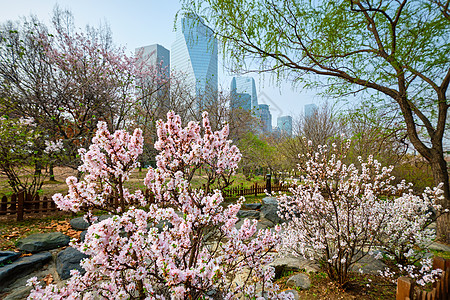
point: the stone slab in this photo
(7, 257)
(43, 241)
(22, 267)
(67, 260)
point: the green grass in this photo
(443, 254)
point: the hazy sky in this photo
(136, 23)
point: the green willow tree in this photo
(396, 49)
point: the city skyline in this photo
(150, 22)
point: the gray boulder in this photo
(286, 264)
(79, 224)
(21, 267)
(293, 292)
(269, 210)
(252, 205)
(104, 217)
(69, 259)
(439, 247)
(264, 224)
(248, 214)
(19, 293)
(301, 281)
(269, 201)
(368, 265)
(83, 235)
(43, 241)
(7, 257)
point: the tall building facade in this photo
(243, 93)
(156, 59)
(155, 56)
(266, 118)
(284, 123)
(194, 56)
(241, 101)
(310, 110)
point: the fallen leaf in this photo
(48, 279)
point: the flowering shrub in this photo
(197, 255)
(340, 212)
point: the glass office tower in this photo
(310, 110)
(266, 118)
(284, 123)
(194, 56)
(240, 87)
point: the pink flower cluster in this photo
(184, 246)
(340, 211)
(107, 165)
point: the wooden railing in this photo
(22, 203)
(405, 286)
(255, 190)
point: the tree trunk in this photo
(52, 174)
(440, 174)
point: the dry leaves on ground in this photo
(63, 227)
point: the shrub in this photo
(339, 212)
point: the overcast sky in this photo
(136, 23)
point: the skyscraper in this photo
(284, 123)
(241, 101)
(243, 93)
(194, 55)
(310, 110)
(156, 59)
(155, 56)
(266, 118)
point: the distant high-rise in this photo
(310, 110)
(243, 93)
(241, 101)
(284, 123)
(266, 118)
(194, 54)
(157, 57)
(276, 132)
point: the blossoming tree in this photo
(198, 252)
(340, 212)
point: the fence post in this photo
(52, 205)
(13, 206)
(4, 206)
(44, 204)
(438, 263)
(37, 203)
(269, 183)
(405, 288)
(256, 189)
(20, 201)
